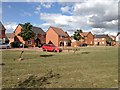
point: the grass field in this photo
(91, 67)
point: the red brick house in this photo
(100, 40)
(57, 36)
(39, 36)
(113, 40)
(2, 34)
(118, 39)
(10, 37)
(87, 37)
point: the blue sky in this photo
(21, 12)
(95, 16)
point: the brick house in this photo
(113, 40)
(2, 34)
(87, 37)
(39, 36)
(57, 36)
(118, 39)
(10, 37)
(100, 40)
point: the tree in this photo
(79, 31)
(26, 32)
(77, 35)
(108, 40)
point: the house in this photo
(57, 36)
(2, 34)
(113, 40)
(10, 37)
(87, 37)
(39, 36)
(100, 40)
(118, 39)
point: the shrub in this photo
(17, 45)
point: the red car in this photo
(51, 47)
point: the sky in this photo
(96, 16)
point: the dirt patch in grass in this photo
(46, 55)
(35, 81)
(85, 52)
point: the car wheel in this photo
(54, 50)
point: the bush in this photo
(17, 45)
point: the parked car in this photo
(51, 47)
(84, 44)
(5, 46)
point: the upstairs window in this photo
(29, 42)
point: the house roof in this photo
(36, 30)
(101, 36)
(10, 35)
(59, 31)
(1, 26)
(111, 36)
(84, 34)
(118, 33)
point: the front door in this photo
(37, 42)
(98, 43)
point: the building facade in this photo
(2, 34)
(57, 36)
(100, 40)
(39, 36)
(88, 38)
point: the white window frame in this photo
(103, 38)
(103, 43)
(3, 40)
(29, 42)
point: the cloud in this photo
(46, 4)
(24, 14)
(66, 9)
(43, 5)
(38, 7)
(67, 23)
(102, 14)
(10, 26)
(44, 0)
(98, 15)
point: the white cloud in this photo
(10, 26)
(66, 9)
(98, 30)
(24, 14)
(46, 4)
(44, 0)
(38, 7)
(101, 16)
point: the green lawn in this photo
(91, 67)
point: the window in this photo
(103, 39)
(61, 37)
(96, 42)
(29, 42)
(91, 42)
(3, 41)
(0, 41)
(102, 42)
